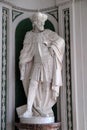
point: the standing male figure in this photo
(40, 67)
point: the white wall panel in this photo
(84, 47)
(80, 51)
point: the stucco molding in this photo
(66, 13)
(4, 68)
(60, 2)
(28, 10)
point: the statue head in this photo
(38, 20)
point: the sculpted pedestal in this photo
(50, 126)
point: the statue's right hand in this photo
(55, 95)
(51, 51)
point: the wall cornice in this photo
(25, 9)
(59, 2)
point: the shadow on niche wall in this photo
(22, 28)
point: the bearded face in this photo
(38, 20)
(39, 25)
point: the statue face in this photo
(38, 20)
(39, 25)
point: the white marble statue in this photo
(40, 68)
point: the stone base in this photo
(37, 120)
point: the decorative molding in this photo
(28, 10)
(54, 13)
(15, 14)
(4, 68)
(59, 2)
(66, 13)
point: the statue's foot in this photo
(26, 114)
